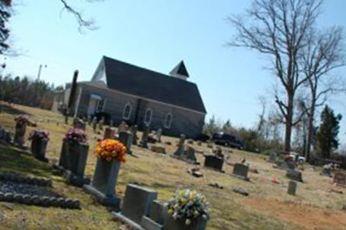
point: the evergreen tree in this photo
(211, 127)
(228, 128)
(4, 31)
(327, 136)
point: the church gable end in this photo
(180, 71)
(100, 73)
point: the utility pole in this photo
(40, 70)
(72, 97)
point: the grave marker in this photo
(158, 135)
(292, 188)
(39, 141)
(241, 171)
(90, 119)
(109, 133)
(294, 175)
(73, 159)
(123, 127)
(94, 123)
(145, 136)
(218, 152)
(273, 157)
(104, 182)
(213, 162)
(137, 203)
(327, 170)
(190, 155)
(134, 130)
(79, 124)
(156, 217)
(126, 139)
(2, 133)
(181, 147)
(8, 137)
(340, 178)
(101, 123)
(22, 122)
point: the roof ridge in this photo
(149, 70)
(140, 67)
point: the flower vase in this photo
(179, 224)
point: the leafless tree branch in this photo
(82, 22)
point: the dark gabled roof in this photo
(149, 84)
(180, 69)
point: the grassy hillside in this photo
(267, 207)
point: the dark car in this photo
(203, 137)
(227, 140)
(103, 115)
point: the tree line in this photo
(23, 90)
(27, 92)
(266, 135)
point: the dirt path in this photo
(307, 217)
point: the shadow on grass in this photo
(6, 108)
(14, 160)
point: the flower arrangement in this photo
(76, 136)
(188, 205)
(22, 119)
(39, 135)
(110, 149)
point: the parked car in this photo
(297, 158)
(227, 140)
(203, 137)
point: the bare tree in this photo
(279, 29)
(323, 54)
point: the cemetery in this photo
(83, 176)
(180, 115)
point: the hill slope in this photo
(267, 207)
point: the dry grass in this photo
(165, 174)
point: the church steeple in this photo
(180, 71)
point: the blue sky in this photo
(156, 35)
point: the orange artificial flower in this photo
(110, 149)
